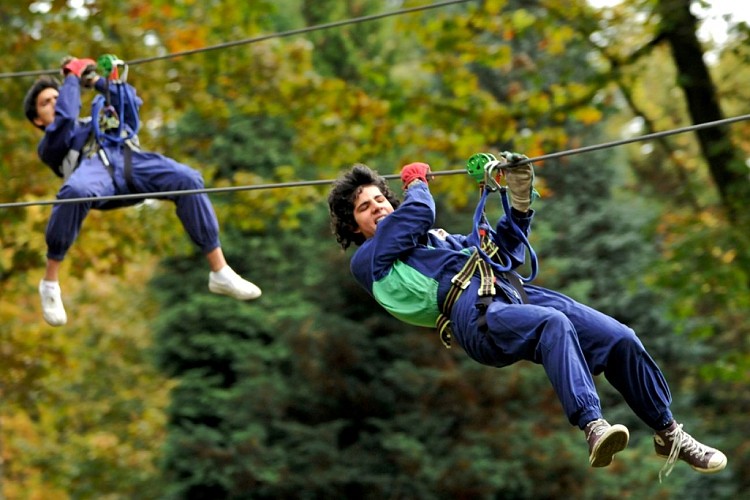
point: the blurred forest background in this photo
(158, 389)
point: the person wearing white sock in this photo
(52, 306)
(96, 164)
(223, 280)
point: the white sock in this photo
(51, 285)
(225, 272)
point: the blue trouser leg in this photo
(614, 349)
(153, 172)
(545, 336)
(535, 333)
(572, 342)
(89, 180)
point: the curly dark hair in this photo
(342, 197)
(29, 102)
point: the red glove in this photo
(414, 171)
(78, 66)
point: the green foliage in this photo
(312, 391)
(256, 144)
(84, 407)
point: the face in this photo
(45, 106)
(370, 207)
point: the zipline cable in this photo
(260, 38)
(255, 187)
(619, 142)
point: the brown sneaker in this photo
(673, 443)
(604, 441)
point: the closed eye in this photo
(363, 206)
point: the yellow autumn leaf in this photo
(588, 115)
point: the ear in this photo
(38, 122)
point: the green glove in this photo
(520, 180)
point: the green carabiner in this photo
(475, 166)
(106, 63)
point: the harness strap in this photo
(105, 161)
(129, 145)
(117, 126)
(516, 283)
(491, 249)
(486, 244)
(460, 282)
(127, 157)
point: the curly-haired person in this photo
(427, 277)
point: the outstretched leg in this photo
(153, 172)
(90, 180)
(614, 349)
(545, 336)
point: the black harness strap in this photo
(491, 250)
(106, 163)
(127, 158)
(516, 283)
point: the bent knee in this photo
(556, 319)
(188, 178)
(76, 190)
(627, 341)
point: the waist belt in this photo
(461, 281)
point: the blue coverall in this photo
(407, 267)
(151, 172)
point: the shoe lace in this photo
(681, 440)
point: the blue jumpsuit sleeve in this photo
(402, 229)
(506, 238)
(399, 232)
(59, 135)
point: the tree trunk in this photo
(679, 27)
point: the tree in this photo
(330, 395)
(349, 403)
(679, 28)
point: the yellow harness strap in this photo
(459, 283)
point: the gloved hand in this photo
(413, 172)
(77, 66)
(84, 69)
(520, 180)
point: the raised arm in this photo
(59, 135)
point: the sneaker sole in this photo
(55, 321)
(221, 290)
(613, 441)
(712, 470)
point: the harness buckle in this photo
(460, 282)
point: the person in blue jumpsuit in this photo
(408, 267)
(92, 168)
